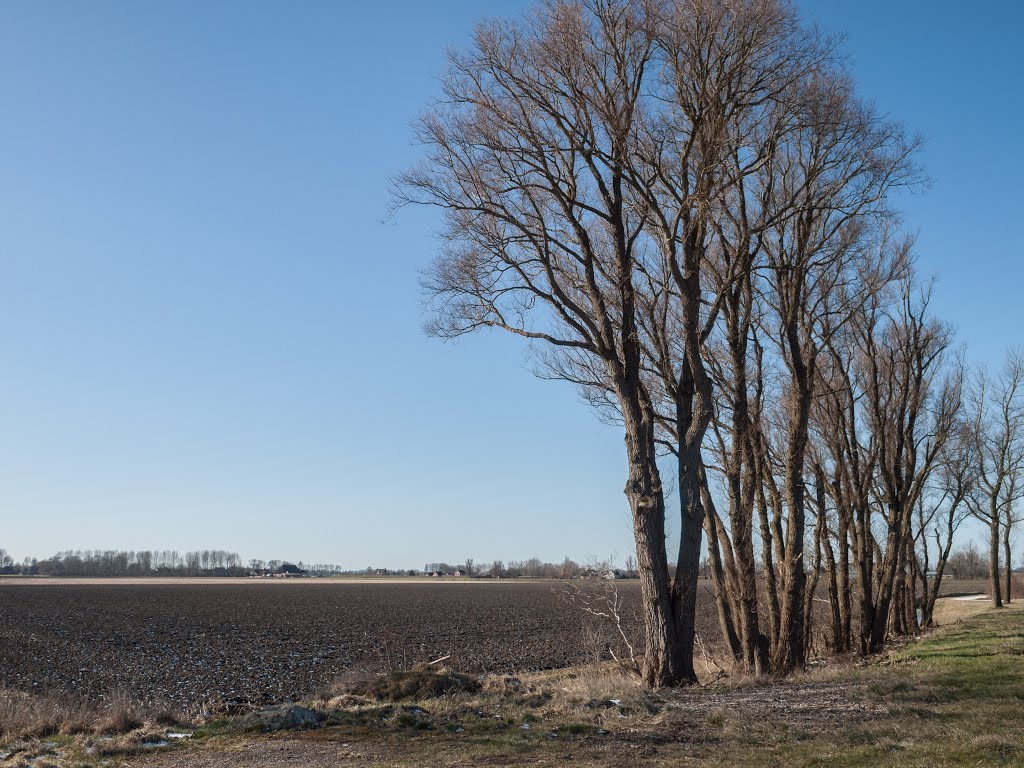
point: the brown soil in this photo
(234, 643)
(254, 643)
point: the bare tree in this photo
(912, 412)
(528, 158)
(941, 513)
(824, 252)
(997, 429)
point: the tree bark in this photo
(1008, 559)
(993, 554)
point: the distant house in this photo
(289, 570)
(458, 572)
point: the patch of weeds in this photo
(996, 746)
(642, 705)
(715, 719)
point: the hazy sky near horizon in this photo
(210, 337)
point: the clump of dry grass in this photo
(420, 682)
(27, 716)
(595, 682)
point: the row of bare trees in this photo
(110, 562)
(967, 562)
(146, 563)
(167, 562)
(686, 208)
(535, 568)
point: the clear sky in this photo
(209, 337)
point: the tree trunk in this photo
(889, 572)
(812, 586)
(1008, 558)
(834, 599)
(718, 583)
(845, 599)
(932, 593)
(993, 563)
(790, 652)
(661, 632)
(664, 628)
(684, 585)
(911, 605)
(768, 560)
(865, 575)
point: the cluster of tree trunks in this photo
(684, 206)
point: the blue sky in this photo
(210, 337)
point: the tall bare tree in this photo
(529, 158)
(997, 429)
(942, 512)
(911, 413)
(851, 455)
(889, 408)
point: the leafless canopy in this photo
(686, 207)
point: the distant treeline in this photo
(967, 562)
(533, 568)
(168, 562)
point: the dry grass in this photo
(950, 610)
(578, 700)
(420, 682)
(24, 716)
